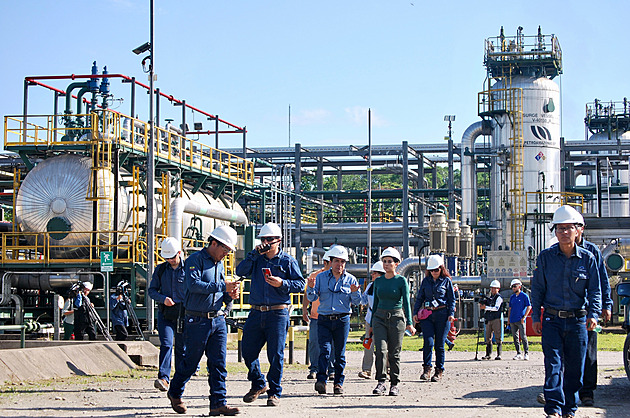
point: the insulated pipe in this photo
(469, 172)
(181, 205)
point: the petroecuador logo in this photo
(541, 132)
(540, 156)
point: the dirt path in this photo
(470, 388)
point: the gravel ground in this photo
(469, 389)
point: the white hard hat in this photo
(515, 281)
(326, 256)
(567, 215)
(378, 267)
(88, 285)
(495, 283)
(391, 252)
(434, 262)
(338, 251)
(170, 247)
(225, 235)
(270, 230)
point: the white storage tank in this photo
(540, 152)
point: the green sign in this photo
(107, 261)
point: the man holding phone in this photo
(274, 276)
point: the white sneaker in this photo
(526, 356)
(517, 357)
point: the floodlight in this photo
(142, 48)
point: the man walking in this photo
(517, 314)
(167, 289)
(274, 276)
(205, 330)
(493, 307)
(566, 284)
(336, 289)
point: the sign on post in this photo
(107, 261)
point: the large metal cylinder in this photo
(466, 243)
(437, 232)
(452, 238)
(539, 156)
(53, 198)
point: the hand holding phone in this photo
(266, 272)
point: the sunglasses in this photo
(268, 239)
(434, 270)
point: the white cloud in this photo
(359, 116)
(311, 117)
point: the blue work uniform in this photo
(590, 363)
(205, 330)
(568, 288)
(335, 306)
(439, 296)
(168, 282)
(268, 320)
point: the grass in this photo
(465, 342)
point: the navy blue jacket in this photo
(205, 283)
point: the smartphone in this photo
(266, 272)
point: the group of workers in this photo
(569, 283)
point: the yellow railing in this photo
(109, 126)
(80, 246)
(548, 202)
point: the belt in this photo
(578, 313)
(265, 308)
(209, 315)
(437, 308)
(335, 316)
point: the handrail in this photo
(128, 132)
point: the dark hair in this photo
(443, 272)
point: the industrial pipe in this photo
(469, 172)
(181, 205)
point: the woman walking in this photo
(434, 309)
(391, 315)
(367, 298)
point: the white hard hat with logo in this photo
(391, 252)
(434, 262)
(170, 247)
(495, 283)
(338, 251)
(88, 285)
(567, 215)
(225, 235)
(270, 230)
(515, 281)
(378, 267)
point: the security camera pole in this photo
(150, 177)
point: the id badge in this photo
(434, 303)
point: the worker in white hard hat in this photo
(566, 284)
(518, 310)
(83, 322)
(207, 292)
(167, 289)
(367, 299)
(589, 381)
(310, 317)
(274, 275)
(391, 317)
(336, 290)
(434, 309)
(493, 314)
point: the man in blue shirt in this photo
(120, 316)
(566, 284)
(167, 289)
(274, 276)
(336, 290)
(520, 307)
(590, 364)
(205, 330)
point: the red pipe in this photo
(167, 96)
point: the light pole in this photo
(150, 220)
(451, 188)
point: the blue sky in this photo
(411, 62)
